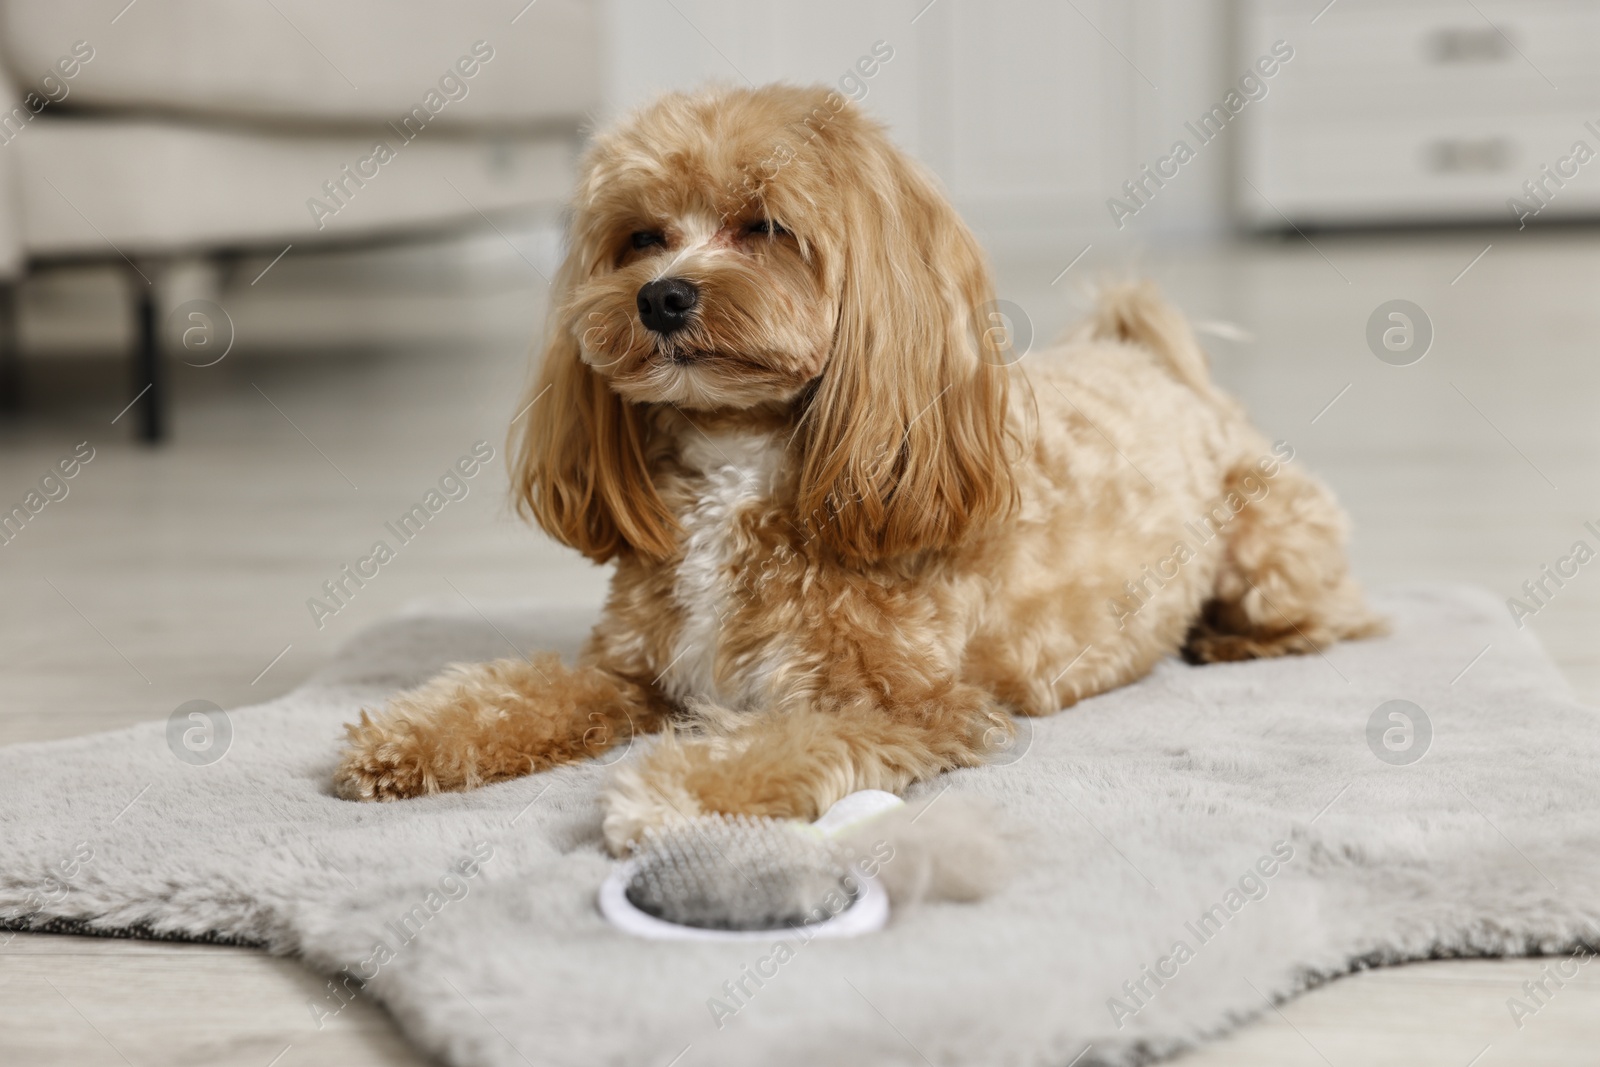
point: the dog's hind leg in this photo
(1284, 585)
(483, 722)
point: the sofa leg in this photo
(149, 374)
(10, 352)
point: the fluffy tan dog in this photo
(852, 536)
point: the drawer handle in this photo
(1452, 155)
(1472, 44)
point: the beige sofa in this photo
(177, 131)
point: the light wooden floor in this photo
(183, 573)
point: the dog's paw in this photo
(384, 760)
(642, 797)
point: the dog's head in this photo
(769, 248)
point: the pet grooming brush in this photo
(722, 877)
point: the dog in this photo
(853, 534)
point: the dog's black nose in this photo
(664, 304)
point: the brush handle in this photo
(851, 811)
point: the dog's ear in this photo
(578, 460)
(907, 445)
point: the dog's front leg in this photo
(795, 763)
(484, 722)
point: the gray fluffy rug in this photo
(1195, 845)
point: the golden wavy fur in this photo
(851, 537)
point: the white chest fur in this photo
(735, 473)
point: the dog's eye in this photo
(766, 228)
(647, 239)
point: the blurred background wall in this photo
(1354, 112)
(1033, 112)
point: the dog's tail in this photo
(1135, 312)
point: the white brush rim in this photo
(868, 914)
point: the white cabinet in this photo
(1425, 111)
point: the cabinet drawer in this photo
(1365, 170)
(1431, 55)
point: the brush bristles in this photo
(739, 873)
